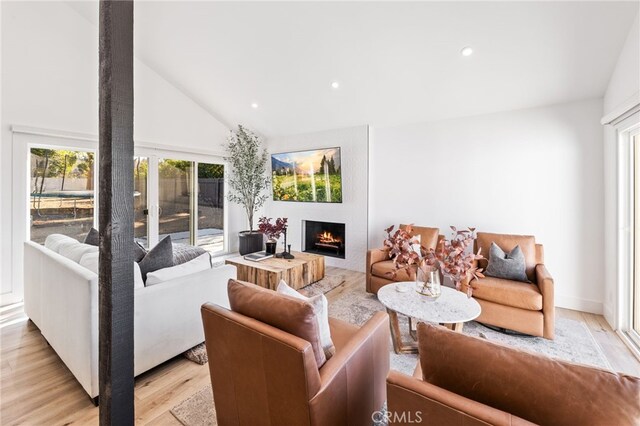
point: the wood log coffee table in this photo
(305, 269)
(452, 309)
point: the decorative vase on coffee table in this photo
(428, 282)
(270, 246)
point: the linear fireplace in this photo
(326, 238)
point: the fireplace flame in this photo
(327, 238)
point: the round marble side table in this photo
(452, 309)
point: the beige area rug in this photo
(197, 410)
(197, 354)
(573, 342)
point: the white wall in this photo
(533, 171)
(622, 93)
(625, 78)
(50, 81)
(353, 143)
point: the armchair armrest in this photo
(411, 400)
(546, 286)
(374, 256)
(352, 382)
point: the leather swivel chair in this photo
(262, 375)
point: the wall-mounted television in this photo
(307, 176)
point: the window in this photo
(628, 224)
(172, 196)
(61, 190)
(635, 290)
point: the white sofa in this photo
(61, 298)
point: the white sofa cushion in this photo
(198, 264)
(90, 261)
(53, 241)
(75, 251)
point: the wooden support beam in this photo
(116, 213)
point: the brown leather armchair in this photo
(524, 307)
(464, 380)
(262, 375)
(379, 265)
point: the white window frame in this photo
(626, 128)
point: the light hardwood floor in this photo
(37, 389)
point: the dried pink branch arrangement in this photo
(456, 260)
(401, 246)
(452, 257)
(272, 230)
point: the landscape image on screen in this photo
(308, 176)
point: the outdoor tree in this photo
(86, 168)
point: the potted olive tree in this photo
(247, 181)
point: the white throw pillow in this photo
(53, 241)
(90, 261)
(200, 263)
(137, 276)
(321, 308)
(75, 251)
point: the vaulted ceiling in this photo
(395, 62)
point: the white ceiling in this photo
(396, 62)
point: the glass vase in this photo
(428, 282)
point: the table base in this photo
(401, 347)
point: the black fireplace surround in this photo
(325, 238)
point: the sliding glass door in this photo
(189, 201)
(175, 194)
(140, 207)
(210, 207)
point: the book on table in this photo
(258, 256)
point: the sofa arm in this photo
(546, 286)
(413, 401)
(353, 380)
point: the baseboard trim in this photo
(578, 304)
(609, 317)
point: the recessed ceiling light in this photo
(466, 51)
(254, 105)
(335, 84)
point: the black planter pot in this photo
(250, 242)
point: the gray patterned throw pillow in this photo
(159, 257)
(183, 253)
(509, 266)
(93, 238)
